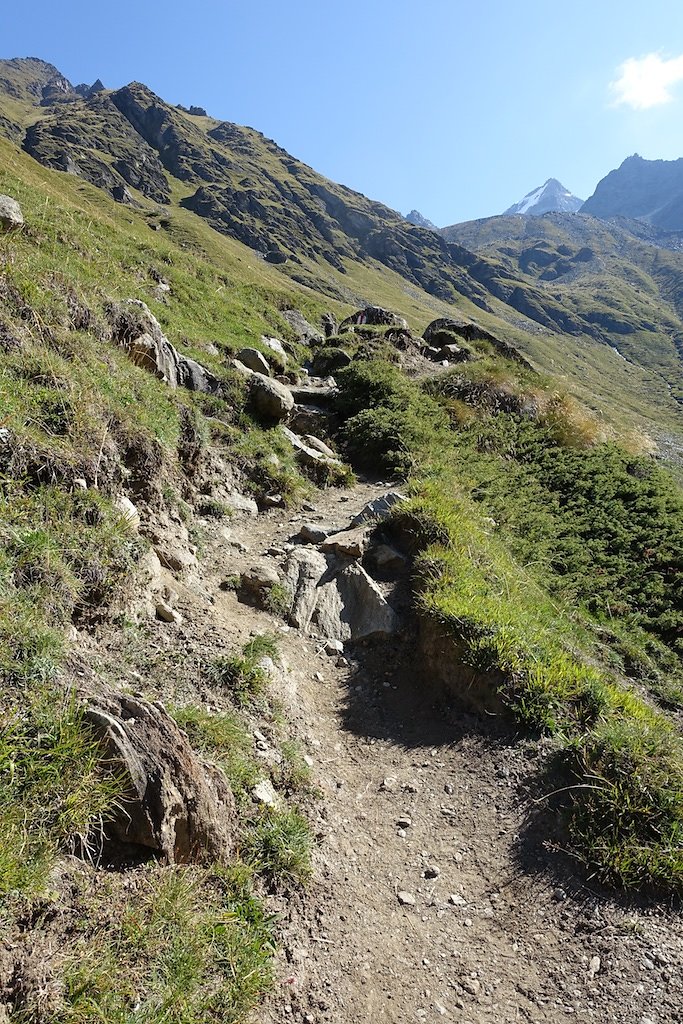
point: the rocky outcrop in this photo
(306, 333)
(174, 804)
(271, 400)
(11, 217)
(374, 316)
(136, 329)
(316, 454)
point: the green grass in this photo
(278, 845)
(188, 947)
(56, 789)
(243, 675)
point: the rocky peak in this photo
(416, 218)
(550, 197)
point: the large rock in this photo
(175, 804)
(379, 508)
(11, 217)
(374, 316)
(348, 543)
(306, 333)
(138, 331)
(254, 360)
(340, 603)
(352, 607)
(271, 400)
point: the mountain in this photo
(549, 197)
(166, 162)
(647, 190)
(415, 217)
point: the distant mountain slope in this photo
(172, 164)
(415, 217)
(649, 190)
(549, 197)
(578, 275)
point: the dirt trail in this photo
(432, 898)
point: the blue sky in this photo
(456, 108)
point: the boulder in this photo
(348, 543)
(388, 559)
(374, 316)
(352, 607)
(254, 360)
(175, 804)
(315, 533)
(306, 333)
(256, 584)
(342, 604)
(271, 400)
(304, 570)
(329, 360)
(138, 331)
(309, 419)
(11, 217)
(329, 324)
(379, 508)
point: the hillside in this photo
(341, 600)
(647, 190)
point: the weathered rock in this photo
(304, 570)
(455, 353)
(309, 419)
(379, 508)
(352, 607)
(307, 455)
(271, 399)
(175, 804)
(348, 543)
(165, 613)
(128, 511)
(254, 360)
(319, 446)
(11, 217)
(374, 316)
(306, 333)
(138, 331)
(240, 502)
(388, 559)
(277, 348)
(241, 368)
(313, 533)
(264, 793)
(329, 324)
(406, 899)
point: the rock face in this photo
(271, 400)
(306, 332)
(175, 804)
(138, 331)
(420, 221)
(11, 217)
(648, 190)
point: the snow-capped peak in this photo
(551, 196)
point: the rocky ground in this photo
(433, 896)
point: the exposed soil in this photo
(433, 895)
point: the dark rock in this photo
(374, 316)
(329, 325)
(328, 360)
(175, 804)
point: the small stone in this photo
(80, 484)
(334, 647)
(457, 901)
(404, 821)
(313, 533)
(594, 966)
(128, 511)
(431, 871)
(318, 676)
(308, 507)
(406, 899)
(448, 789)
(559, 894)
(440, 1009)
(389, 784)
(411, 787)
(264, 793)
(401, 833)
(468, 922)
(472, 985)
(167, 614)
